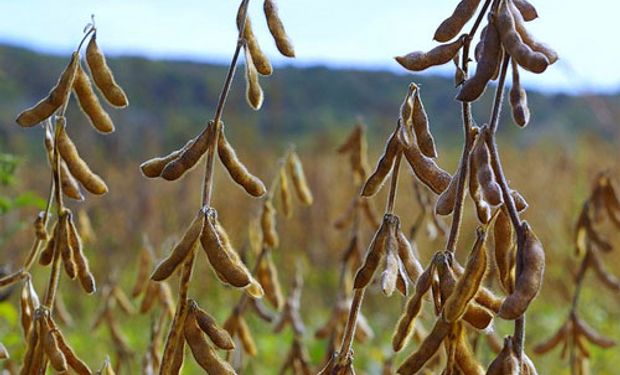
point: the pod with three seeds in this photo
(102, 75)
(419, 60)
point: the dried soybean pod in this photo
(39, 227)
(267, 275)
(56, 97)
(506, 363)
(245, 336)
(123, 301)
(219, 336)
(405, 325)
(527, 366)
(69, 184)
(528, 283)
(63, 245)
(268, 225)
(520, 202)
(53, 352)
(222, 257)
(427, 170)
(528, 39)
(446, 200)
(180, 252)
(253, 91)
(48, 251)
(603, 275)
(78, 167)
(203, 352)
(590, 334)
(465, 358)
(4, 354)
(390, 273)
(491, 190)
(424, 138)
(285, 193)
(83, 270)
(190, 155)
(29, 302)
(518, 99)
(554, 340)
(102, 75)
(89, 103)
(503, 249)
(277, 29)
(384, 166)
(144, 265)
(410, 262)
(451, 26)
(419, 60)
(296, 170)
(529, 59)
(376, 252)
(468, 284)
(238, 172)
(154, 167)
(402, 285)
(490, 56)
(527, 10)
(263, 66)
(427, 348)
(483, 209)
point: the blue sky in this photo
(344, 33)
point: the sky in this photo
(361, 34)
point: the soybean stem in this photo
(345, 349)
(393, 183)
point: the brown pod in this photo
(427, 348)
(528, 283)
(285, 194)
(590, 334)
(123, 301)
(464, 357)
(223, 258)
(69, 184)
(52, 351)
(527, 10)
(219, 336)
(402, 283)
(384, 166)
(296, 170)
(203, 352)
(180, 252)
(490, 56)
(56, 97)
(376, 251)
(144, 265)
(451, 26)
(411, 264)
(483, 209)
(554, 340)
(245, 336)
(39, 227)
(469, 283)
(424, 138)
(504, 249)
(608, 279)
(529, 59)
(263, 66)
(78, 167)
(277, 29)
(154, 167)
(518, 99)
(47, 254)
(63, 245)
(83, 270)
(267, 275)
(268, 225)
(72, 359)
(446, 200)
(506, 362)
(419, 60)
(528, 39)
(190, 155)
(102, 75)
(89, 103)
(520, 202)
(390, 273)
(238, 172)
(29, 302)
(491, 190)
(427, 171)
(405, 325)
(253, 91)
